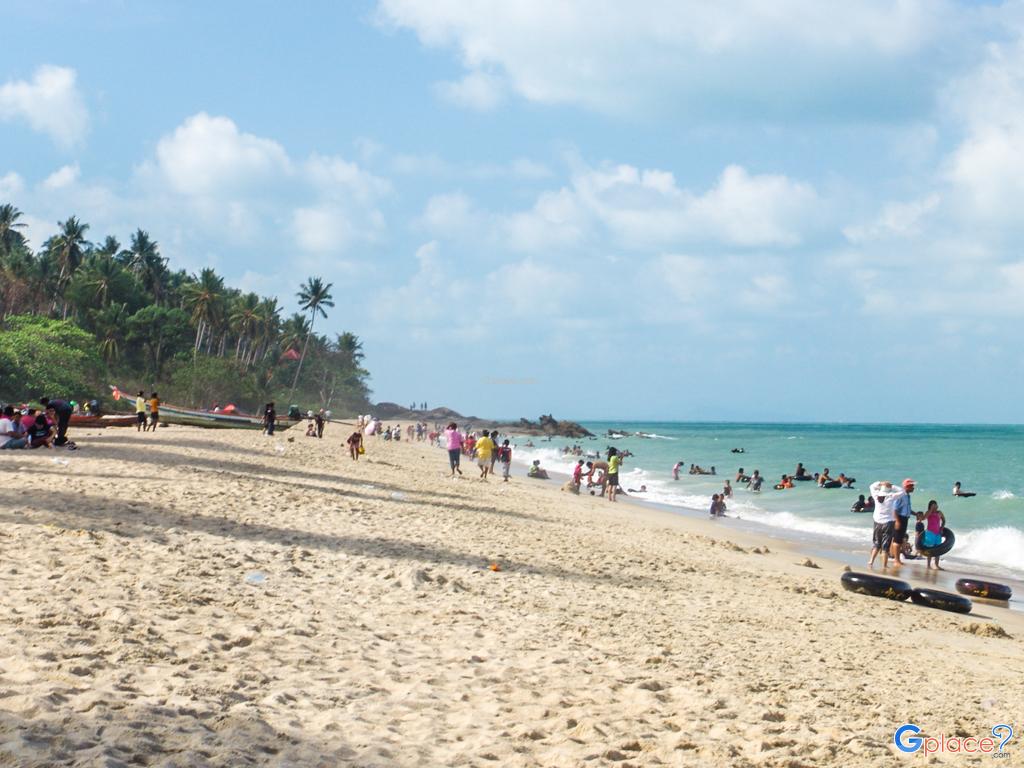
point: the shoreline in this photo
(820, 548)
(220, 597)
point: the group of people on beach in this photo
(44, 427)
(892, 515)
(484, 449)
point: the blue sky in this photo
(676, 210)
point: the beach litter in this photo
(62, 462)
(397, 495)
(255, 577)
(494, 567)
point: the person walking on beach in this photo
(140, 411)
(154, 411)
(901, 522)
(455, 441)
(320, 420)
(355, 444)
(484, 450)
(269, 418)
(494, 452)
(505, 457)
(884, 493)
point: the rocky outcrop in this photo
(546, 425)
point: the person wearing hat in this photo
(885, 495)
(901, 525)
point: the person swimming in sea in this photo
(800, 473)
(862, 505)
(741, 477)
(960, 493)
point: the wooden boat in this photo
(87, 420)
(173, 414)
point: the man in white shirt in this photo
(11, 434)
(886, 496)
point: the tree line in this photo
(197, 339)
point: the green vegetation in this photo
(76, 315)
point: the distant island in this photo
(545, 425)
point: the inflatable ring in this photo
(876, 586)
(948, 540)
(986, 589)
(945, 601)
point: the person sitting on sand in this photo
(355, 444)
(40, 433)
(960, 493)
(311, 429)
(934, 522)
(741, 477)
(11, 435)
(536, 472)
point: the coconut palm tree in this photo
(202, 298)
(313, 297)
(68, 249)
(10, 238)
(244, 316)
(110, 323)
(149, 266)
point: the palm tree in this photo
(10, 238)
(313, 297)
(244, 316)
(202, 298)
(68, 248)
(103, 275)
(110, 323)
(149, 266)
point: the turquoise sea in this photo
(986, 459)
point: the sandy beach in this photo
(221, 598)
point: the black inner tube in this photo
(876, 586)
(987, 589)
(945, 601)
(948, 540)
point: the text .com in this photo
(907, 739)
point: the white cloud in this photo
(896, 220)
(337, 176)
(987, 168)
(62, 177)
(323, 229)
(641, 209)
(477, 90)
(49, 102)
(207, 155)
(613, 56)
(11, 185)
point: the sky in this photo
(764, 210)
